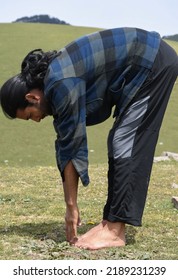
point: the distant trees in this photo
(41, 19)
(171, 37)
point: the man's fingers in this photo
(73, 240)
(71, 233)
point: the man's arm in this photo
(69, 101)
(70, 186)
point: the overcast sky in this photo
(157, 15)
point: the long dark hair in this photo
(12, 96)
(34, 67)
(33, 71)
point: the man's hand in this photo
(72, 220)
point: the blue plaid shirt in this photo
(90, 76)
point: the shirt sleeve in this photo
(68, 98)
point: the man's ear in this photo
(32, 98)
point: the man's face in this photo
(38, 108)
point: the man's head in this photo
(22, 96)
(19, 101)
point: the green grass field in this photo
(32, 215)
(31, 197)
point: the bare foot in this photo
(92, 231)
(104, 235)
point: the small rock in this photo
(162, 158)
(175, 186)
(175, 201)
(171, 155)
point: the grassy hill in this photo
(27, 143)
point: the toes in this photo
(80, 245)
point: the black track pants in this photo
(132, 142)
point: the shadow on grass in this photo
(42, 231)
(130, 235)
(54, 231)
